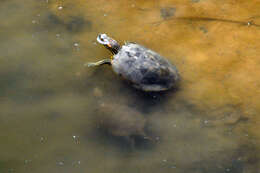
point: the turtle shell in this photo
(144, 68)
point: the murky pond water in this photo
(52, 111)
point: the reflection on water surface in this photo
(49, 100)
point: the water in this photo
(49, 100)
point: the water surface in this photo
(49, 99)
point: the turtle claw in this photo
(102, 62)
(90, 64)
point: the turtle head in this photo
(109, 43)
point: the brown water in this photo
(49, 99)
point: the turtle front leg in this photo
(102, 62)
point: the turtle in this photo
(145, 69)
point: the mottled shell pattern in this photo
(144, 68)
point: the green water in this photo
(49, 101)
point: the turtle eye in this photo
(103, 39)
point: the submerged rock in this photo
(167, 12)
(72, 24)
(77, 24)
(121, 121)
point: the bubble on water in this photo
(60, 163)
(76, 163)
(249, 23)
(27, 161)
(206, 121)
(42, 139)
(57, 35)
(60, 7)
(76, 44)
